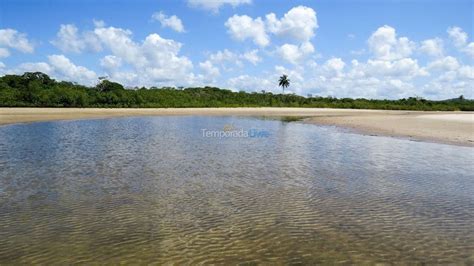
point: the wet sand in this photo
(445, 127)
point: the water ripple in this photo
(154, 191)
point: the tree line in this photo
(36, 89)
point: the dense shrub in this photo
(37, 89)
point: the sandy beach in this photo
(445, 127)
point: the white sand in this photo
(467, 118)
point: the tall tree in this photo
(284, 82)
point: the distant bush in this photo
(39, 90)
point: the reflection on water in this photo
(141, 190)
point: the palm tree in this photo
(284, 82)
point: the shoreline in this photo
(455, 128)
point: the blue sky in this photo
(372, 49)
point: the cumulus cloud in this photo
(466, 72)
(451, 82)
(215, 5)
(60, 67)
(458, 36)
(110, 62)
(209, 70)
(64, 67)
(34, 67)
(224, 56)
(447, 63)
(299, 24)
(12, 39)
(70, 40)
(252, 57)
(297, 27)
(245, 27)
(407, 68)
(385, 45)
(392, 69)
(267, 82)
(295, 54)
(459, 39)
(227, 60)
(469, 49)
(251, 83)
(432, 47)
(334, 66)
(156, 59)
(172, 22)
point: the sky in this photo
(359, 49)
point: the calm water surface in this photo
(154, 190)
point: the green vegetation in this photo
(284, 82)
(39, 90)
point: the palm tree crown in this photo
(284, 82)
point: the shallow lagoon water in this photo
(154, 190)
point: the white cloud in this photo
(469, 49)
(60, 67)
(227, 60)
(406, 68)
(172, 22)
(299, 24)
(295, 54)
(4, 52)
(12, 39)
(295, 73)
(64, 67)
(69, 39)
(252, 57)
(447, 63)
(162, 60)
(156, 59)
(466, 72)
(334, 66)
(221, 57)
(390, 71)
(459, 38)
(385, 45)
(210, 71)
(451, 83)
(215, 5)
(34, 67)
(120, 43)
(111, 62)
(251, 83)
(244, 27)
(432, 47)
(98, 23)
(297, 27)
